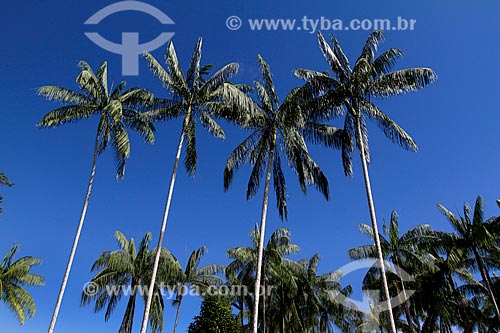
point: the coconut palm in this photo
(128, 270)
(117, 110)
(4, 181)
(475, 238)
(201, 277)
(194, 98)
(275, 132)
(447, 308)
(351, 89)
(244, 262)
(404, 251)
(14, 277)
(314, 305)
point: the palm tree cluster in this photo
(451, 287)
(295, 297)
(278, 131)
(439, 281)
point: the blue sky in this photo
(454, 121)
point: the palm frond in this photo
(403, 81)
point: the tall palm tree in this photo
(475, 237)
(275, 132)
(194, 98)
(201, 277)
(4, 181)
(117, 111)
(14, 277)
(404, 251)
(128, 270)
(352, 88)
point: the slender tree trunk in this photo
(264, 300)
(164, 224)
(77, 238)
(486, 278)
(242, 309)
(371, 207)
(262, 232)
(178, 312)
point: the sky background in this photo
(454, 121)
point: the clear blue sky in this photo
(454, 121)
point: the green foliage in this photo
(201, 277)
(197, 98)
(275, 135)
(14, 277)
(118, 110)
(300, 299)
(131, 268)
(215, 317)
(348, 91)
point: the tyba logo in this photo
(129, 49)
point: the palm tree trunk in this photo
(371, 207)
(77, 237)
(164, 224)
(261, 234)
(486, 278)
(264, 300)
(178, 312)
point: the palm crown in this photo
(118, 110)
(276, 131)
(129, 266)
(352, 88)
(14, 276)
(196, 98)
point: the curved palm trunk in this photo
(487, 280)
(371, 207)
(164, 225)
(77, 238)
(261, 235)
(177, 313)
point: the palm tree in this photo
(14, 276)
(352, 88)
(4, 181)
(315, 303)
(404, 251)
(117, 110)
(244, 262)
(201, 277)
(476, 237)
(128, 271)
(275, 131)
(447, 307)
(194, 98)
